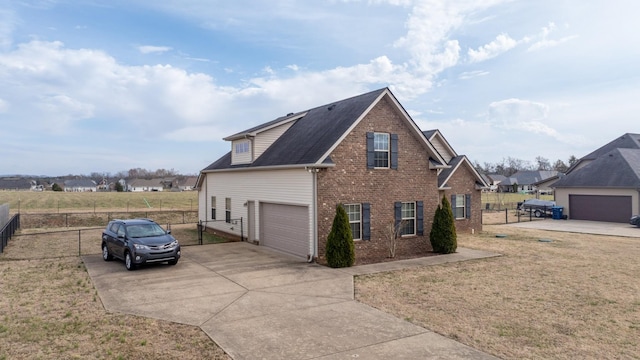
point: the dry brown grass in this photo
(577, 297)
(50, 310)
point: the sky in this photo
(108, 86)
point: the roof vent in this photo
(331, 107)
(289, 114)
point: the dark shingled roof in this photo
(310, 137)
(626, 141)
(445, 173)
(619, 168)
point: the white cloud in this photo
(150, 49)
(545, 42)
(472, 74)
(517, 114)
(7, 25)
(501, 44)
(4, 106)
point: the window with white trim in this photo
(213, 208)
(408, 218)
(381, 150)
(227, 210)
(354, 211)
(242, 147)
(459, 207)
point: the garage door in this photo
(600, 208)
(285, 228)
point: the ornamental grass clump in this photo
(443, 231)
(340, 250)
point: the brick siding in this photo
(350, 181)
(463, 182)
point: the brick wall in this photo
(351, 182)
(463, 182)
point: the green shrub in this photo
(340, 251)
(443, 231)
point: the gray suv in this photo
(139, 241)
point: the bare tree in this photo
(543, 163)
(392, 234)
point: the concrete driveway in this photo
(259, 304)
(582, 226)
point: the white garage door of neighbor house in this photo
(285, 228)
(607, 208)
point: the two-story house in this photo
(285, 177)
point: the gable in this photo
(459, 164)
(307, 139)
(441, 145)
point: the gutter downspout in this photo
(314, 211)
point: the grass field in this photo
(53, 201)
(576, 297)
(500, 201)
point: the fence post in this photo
(79, 241)
(241, 230)
(506, 216)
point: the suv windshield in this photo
(144, 230)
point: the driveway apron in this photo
(259, 304)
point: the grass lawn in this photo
(54, 201)
(576, 297)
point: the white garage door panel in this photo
(285, 228)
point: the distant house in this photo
(524, 181)
(80, 185)
(494, 181)
(603, 185)
(137, 185)
(19, 183)
(188, 183)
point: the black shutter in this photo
(366, 221)
(370, 151)
(397, 206)
(467, 206)
(394, 151)
(419, 218)
(453, 206)
(213, 213)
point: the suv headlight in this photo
(140, 247)
(174, 243)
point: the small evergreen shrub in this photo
(340, 251)
(443, 231)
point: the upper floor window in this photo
(381, 150)
(242, 147)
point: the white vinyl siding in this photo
(442, 149)
(289, 187)
(264, 139)
(241, 151)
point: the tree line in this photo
(509, 166)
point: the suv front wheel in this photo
(105, 253)
(128, 261)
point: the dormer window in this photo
(242, 147)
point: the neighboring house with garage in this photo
(80, 185)
(284, 178)
(137, 185)
(605, 184)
